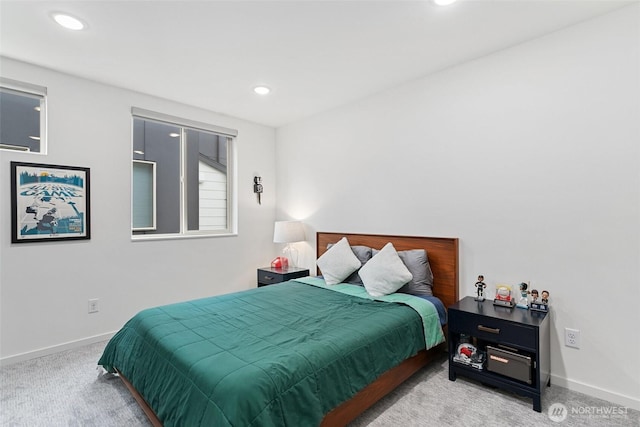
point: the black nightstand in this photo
(269, 275)
(517, 339)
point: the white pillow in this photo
(338, 262)
(385, 273)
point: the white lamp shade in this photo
(288, 232)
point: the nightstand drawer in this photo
(269, 276)
(496, 330)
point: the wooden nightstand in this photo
(269, 276)
(517, 338)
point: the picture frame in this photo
(49, 203)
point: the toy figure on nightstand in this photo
(543, 304)
(523, 302)
(503, 296)
(534, 295)
(480, 285)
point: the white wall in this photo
(45, 287)
(530, 156)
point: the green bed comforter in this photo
(281, 355)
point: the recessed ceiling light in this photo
(68, 21)
(444, 2)
(174, 135)
(261, 90)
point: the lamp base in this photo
(291, 253)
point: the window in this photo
(144, 195)
(182, 177)
(22, 116)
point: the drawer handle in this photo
(268, 277)
(490, 330)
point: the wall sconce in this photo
(257, 188)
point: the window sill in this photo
(149, 237)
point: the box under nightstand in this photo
(269, 275)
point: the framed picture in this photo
(49, 203)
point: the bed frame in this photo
(443, 258)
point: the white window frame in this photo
(232, 210)
(30, 90)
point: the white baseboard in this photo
(599, 393)
(9, 360)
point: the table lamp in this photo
(289, 232)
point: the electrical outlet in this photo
(572, 337)
(93, 305)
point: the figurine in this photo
(534, 295)
(503, 296)
(543, 304)
(480, 285)
(523, 302)
(545, 297)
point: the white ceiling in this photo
(315, 55)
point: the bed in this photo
(296, 353)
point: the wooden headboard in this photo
(441, 251)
